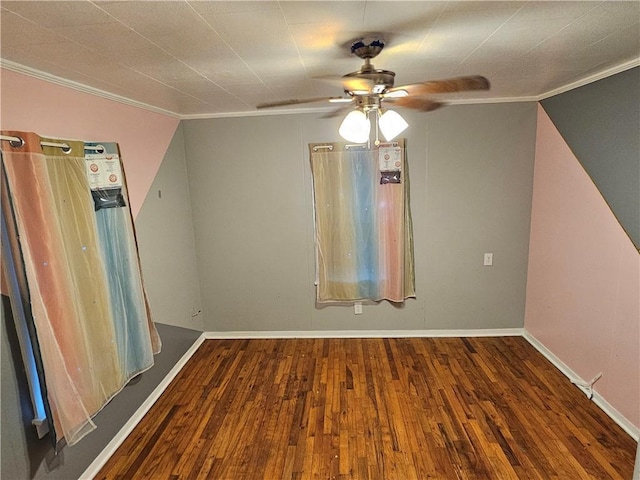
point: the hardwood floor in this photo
(408, 408)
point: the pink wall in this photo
(30, 104)
(583, 286)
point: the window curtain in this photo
(71, 256)
(363, 224)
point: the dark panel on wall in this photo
(601, 124)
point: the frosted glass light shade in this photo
(355, 127)
(392, 124)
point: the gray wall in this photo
(471, 173)
(164, 228)
(601, 123)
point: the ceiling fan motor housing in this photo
(368, 102)
(380, 79)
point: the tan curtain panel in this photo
(363, 223)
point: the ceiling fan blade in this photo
(460, 84)
(338, 111)
(357, 84)
(416, 103)
(348, 83)
(295, 101)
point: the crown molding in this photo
(297, 111)
(48, 77)
(32, 72)
(255, 113)
(591, 78)
(477, 101)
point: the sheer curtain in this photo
(78, 319)
(131, 313)
(363, 224)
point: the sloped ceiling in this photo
(216, 58)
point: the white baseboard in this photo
(606, 407)
(93, 469)
(497, 332)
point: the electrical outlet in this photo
(488, 259)
(357, 308)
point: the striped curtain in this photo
(131, 313)
(362, 223)
(78, 266)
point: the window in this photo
(362, 223)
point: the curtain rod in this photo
(348, 146)
(17, 142)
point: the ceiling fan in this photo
(369, 88)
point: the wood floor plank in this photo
(378, 409)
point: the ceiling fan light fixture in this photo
(392, 124)
(355, 127)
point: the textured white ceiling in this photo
(211, 58)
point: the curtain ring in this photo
(318, 147)
(96, 148)
(66, 149)
(19, 143)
